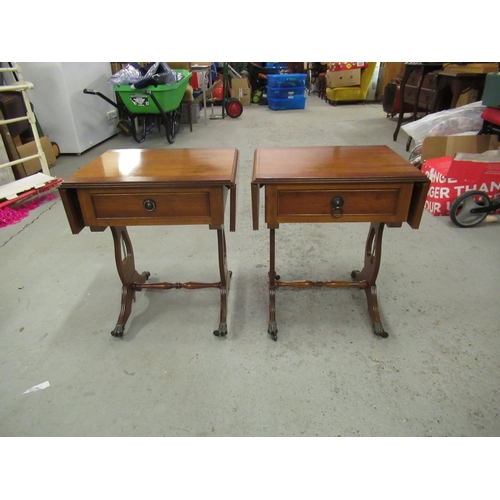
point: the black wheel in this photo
(462, 211)
(139, 131)
(234, 108)
(177, 120)
(169, 129)
(172, 126)
(128, 127)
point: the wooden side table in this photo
(335, 185)
(423, 69)
(135, 187)
(457, 83)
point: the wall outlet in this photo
(112, 114)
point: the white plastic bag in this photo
(448, 122)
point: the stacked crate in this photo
(286, 91)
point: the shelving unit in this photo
(21, 86)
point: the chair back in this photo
(367, 75)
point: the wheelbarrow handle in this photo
(102, 96)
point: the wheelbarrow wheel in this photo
(139, 132)
(461, 211)
(172, 126)
(234, 108)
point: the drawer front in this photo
(349, 203)
(430, 81)
(414, 78)
(426, 97)
(144, 207)
(410, 94)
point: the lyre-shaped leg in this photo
(125, 264)
(273, 326)
(225, 279)
(373, 253)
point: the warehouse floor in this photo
(437, 374)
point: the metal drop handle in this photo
(337, 202)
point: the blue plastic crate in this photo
(294, 102)
(284, 92)
(277, 65)
(287, 80)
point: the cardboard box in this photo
(345, 78)
(241, 90)
(33, 166)
(195, 112)
(456, 164)
(467, 97)
(345, 66)
(240, 83)
(438, 146)
(12, 106)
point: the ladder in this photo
(19, 85)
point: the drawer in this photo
(429, 81)
(148, 207)
(359, 203)
(426, 98)
(410, 94)
(414, 78)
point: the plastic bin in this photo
(287, 80)
(169, 97)
(275, 65)
(284, 92)
(294, 102)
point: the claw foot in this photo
(118, 331)
(222, 331)
(378, 329)
(273, 330)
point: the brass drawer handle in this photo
(149, 205)
(337, 202)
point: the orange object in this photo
(217, 93)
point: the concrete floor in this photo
(327, 375)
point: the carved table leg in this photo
(273, 326)
(225, 279)
(373, 251)
(125, 264)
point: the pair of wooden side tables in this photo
(134, 187)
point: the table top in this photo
(163, 167)
(322, 164)
(458, 74)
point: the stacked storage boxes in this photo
(286, 91)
